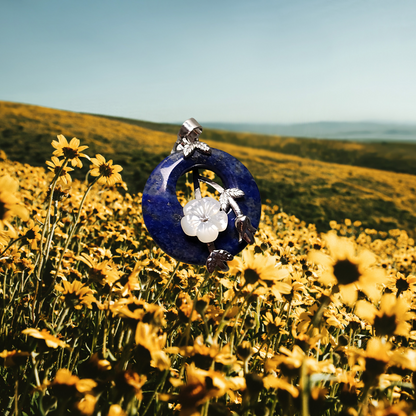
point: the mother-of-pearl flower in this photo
(204, 219)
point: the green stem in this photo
(364, 397)
(10, 244)
(316, 319)
(50, 237)
(204, 410)
(159, 386)
(235, 335)
(61, 319)
(16, 397)
(168, 283)
(220, 325)
(304, 388)
(48, 213)
(71, 234)
(95, 335)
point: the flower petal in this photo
(191, 206)
(220, 220)
(189, 224)
(207, 232)
(211, 206)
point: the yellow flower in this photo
(86, 405)
(116, 410)
(108, 173)
(55, 165)
(381, 408)
(9, 204)
(4, 238)
(104, 273)
(71, 150)
(391, 318)
(274, 325)
(76, 294)
(202, 355)
(347, 270)
(290, 362)
(402, 284)
(32, 235)
(271, 381)
(12, 358)
(374, 359)
(201, 386)
(261, 268)
(132, 381)
(148, 338)
(49, 339)
(65, 385)
(139, 310)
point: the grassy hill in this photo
(394, 156)
(347, 130)
(303, 185)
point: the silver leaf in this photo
(235, 192)
(203, 147)
(188, 150)
(224, 202)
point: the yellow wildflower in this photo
(147, 337)
(55, 166)
(261, 268)
(86, 405)
(50, 340)
(71, 150)
(9, 204)
(65, 384)
(76, 294)
(116, 410)
(104, 273)
(347, 270)
(391, 318)
(12, 358)
(108, 173)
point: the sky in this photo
(263, 61)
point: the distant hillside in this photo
(313, 190)
(150, 125)
(392, 156)
(361, 131)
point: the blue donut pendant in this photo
(184, 233)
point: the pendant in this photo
(205, 231)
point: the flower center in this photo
(385, 324)
(106, 170)
(402, 284)
(346, 272)
(2, 210)
(70, 153)
(30, 235)
(57, 169)
(251, 276)
(374, 367)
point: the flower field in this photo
(97, 320)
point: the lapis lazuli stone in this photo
(162, 212)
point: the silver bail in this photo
(188, 134)
(190, 130)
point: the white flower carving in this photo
(204, 219)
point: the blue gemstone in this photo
(162, 211)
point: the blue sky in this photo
(257, 61)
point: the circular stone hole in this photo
(185, 186)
